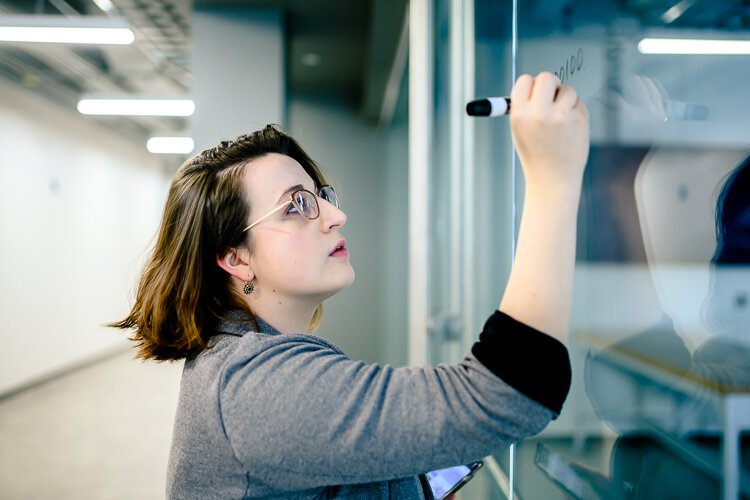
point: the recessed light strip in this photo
(170, 145)
(136, 107)
(691, 46)
(74, 36)
(98, 30)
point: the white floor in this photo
(102, 432)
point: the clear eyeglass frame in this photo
(305, 202)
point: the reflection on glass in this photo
(661, 325)
(671, 430)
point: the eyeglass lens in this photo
(328, 194)
(306, 204)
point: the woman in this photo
(249, 247)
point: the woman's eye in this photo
(291, 209)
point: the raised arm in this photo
(550, 130)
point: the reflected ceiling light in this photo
(170, 145)
(676, 11)
(137, 107)
(310, 59)
(97, 30)
(693, 46)
(104, 5)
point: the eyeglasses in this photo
(305, 203)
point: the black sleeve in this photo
(530, 361)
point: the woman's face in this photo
(292, 257)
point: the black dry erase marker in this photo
(489, 106)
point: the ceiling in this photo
(352, 42)
(344, 47)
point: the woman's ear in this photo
(236, 262)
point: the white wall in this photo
(78, 206)
(238, 73)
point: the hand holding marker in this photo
(644, 108)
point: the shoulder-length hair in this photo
(182, 291)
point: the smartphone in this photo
(444, 482)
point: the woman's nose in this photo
(330, 215)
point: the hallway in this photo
(102, 432)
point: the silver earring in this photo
(249, 288)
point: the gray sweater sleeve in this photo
(299, 414)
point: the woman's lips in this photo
(340, 250)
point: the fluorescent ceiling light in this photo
(73, 36)
(170, 145)
(693, 46)
(97, 30)
(137, 107)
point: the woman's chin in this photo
(343, 283)
(346, 281)
(351, 277)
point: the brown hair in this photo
(182, 291)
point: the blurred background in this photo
(375, 91)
